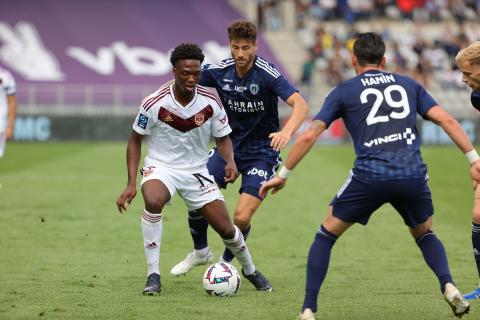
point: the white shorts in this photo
(196, 189)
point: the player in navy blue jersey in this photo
(468, 61)
(249, 88)
(379, 110)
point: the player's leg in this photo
(319, 259)
(254, 174)
(353, 203)
(155, 195)
(246, 207)
(3, 143)
(413, 201)
(475, 294)
(203, 194)
(199, 226)
(436, 258)
(216, 214)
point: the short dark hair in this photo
(369, 48)
(242, 29)
(186, 51)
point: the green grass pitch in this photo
(65, 252)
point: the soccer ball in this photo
(221, 279)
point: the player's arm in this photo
(301, 147)
(225, 148)
(12, 109)
(451, 127)
(299, 113)
(134, 150)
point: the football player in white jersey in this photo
(8, 106)
(178, 121)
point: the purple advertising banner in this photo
(109, 41)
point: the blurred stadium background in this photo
(83, 66)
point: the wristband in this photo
(284, 172)
(472, 156)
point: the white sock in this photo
(239, 248)
(152, 228)
(202, 252)
(3, 142)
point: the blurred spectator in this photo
(413, 51)
(399, 60)
(269, 15)
(306, 79)
(360, 9)
(323, 9)
(423, 72)
(408, 6)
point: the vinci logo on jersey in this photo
(407, 135)
(142, 121)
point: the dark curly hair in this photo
(186, 51)
(242, 29)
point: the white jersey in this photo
(178, 136)
(7, 87)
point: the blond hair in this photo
(470, 54)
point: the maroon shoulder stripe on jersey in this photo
(148, 104)
(209, 94)
(159, 91)
(185, 125)
(155, 101)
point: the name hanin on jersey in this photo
(377, 78)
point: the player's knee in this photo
(226, 231)
(476, 215)
(242, 219)
(154, 205)
(420, 232)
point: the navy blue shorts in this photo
(254, 171)
(358, 198)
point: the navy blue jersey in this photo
(475, 98)
(251, 103)
(380, 111)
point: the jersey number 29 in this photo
(386, 95)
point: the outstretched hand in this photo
(126, 197)
(276, 184)
(279, 140)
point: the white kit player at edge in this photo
(8, 105)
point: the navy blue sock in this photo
(436, 258)
(317, 266)
(227, 254)
(198, 229)
(476, 244)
